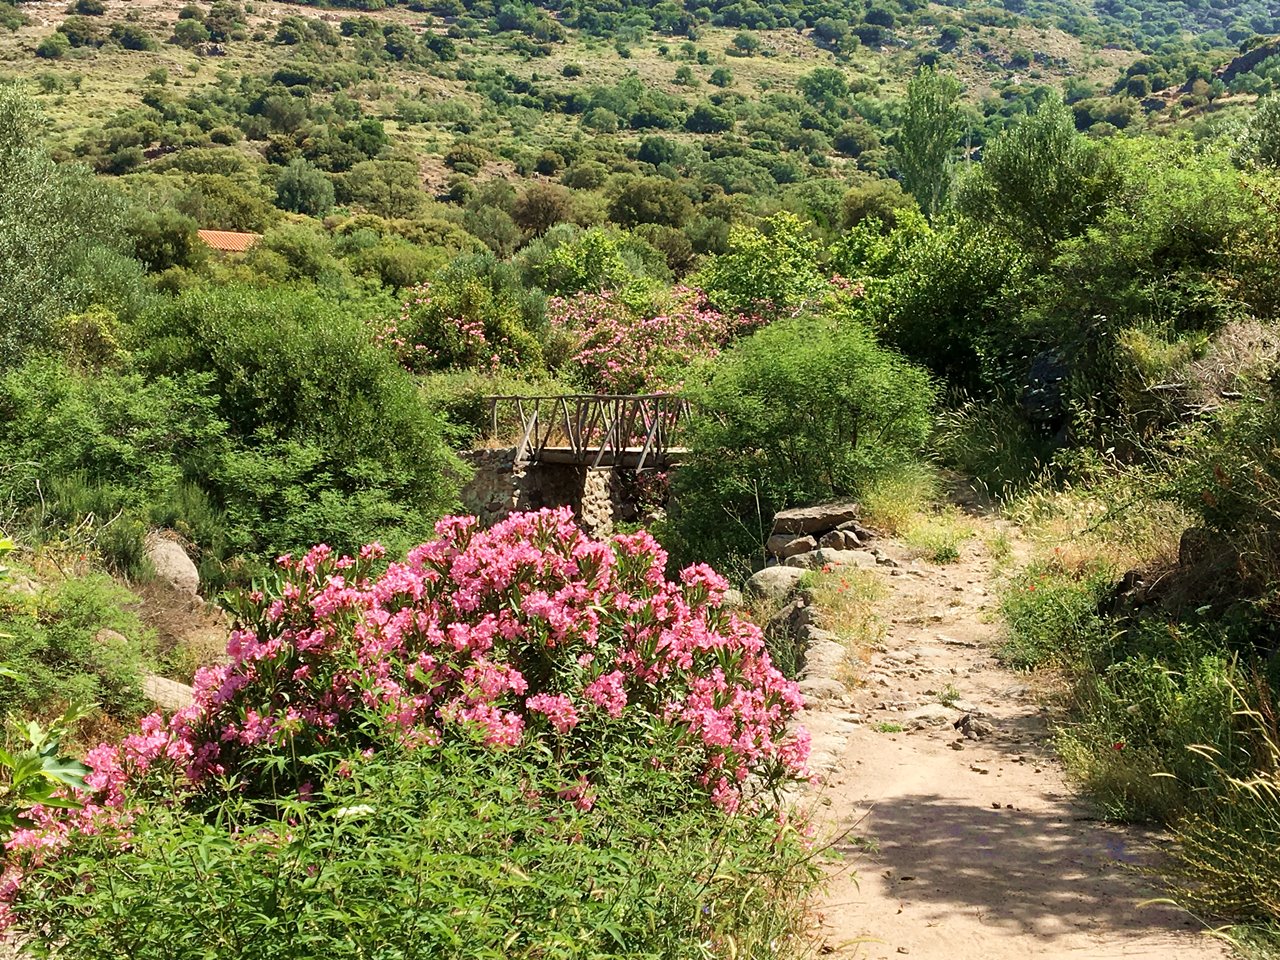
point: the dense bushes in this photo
(74, 642)
(806, 409)
(475, 315)
(537, 685)
(61, 247)
(108, 453)
(252, 422)
(329, 439)
(438, 855)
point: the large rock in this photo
(824, 658)
(172, 565)
(841, 540)
(822, 688)
(774, 583)
(815, 519)
(824, 557)
(785, 545)
(167, 694)
(865, 534)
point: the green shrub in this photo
(74, 643)
(1225, 864)
(61, 235)
(1225, 471)
(475, 314)
(765, 270)
(568, 259)
(993, 446)
(101, 449)
(302, 188)
(1141, 719)
(804, 410)
(1052, 616)
(329, 438)
(433, 853)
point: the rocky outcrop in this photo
(783, 545)
(826, 557)
(167, 694)
(805, 530)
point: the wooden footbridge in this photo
(628, 431)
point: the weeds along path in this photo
(967, 843)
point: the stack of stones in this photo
(813, 537)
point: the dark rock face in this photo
(1044, 396)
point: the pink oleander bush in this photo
(528, 636)
(622, 349)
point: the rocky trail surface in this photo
(961, 839)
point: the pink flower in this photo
(475, 633)
(557, 708)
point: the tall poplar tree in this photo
(931, 130)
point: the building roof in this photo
(228, 242)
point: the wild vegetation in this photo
(882, 249)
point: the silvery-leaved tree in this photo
(62, 247)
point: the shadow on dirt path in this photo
(972, 847)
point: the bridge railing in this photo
(632, 430)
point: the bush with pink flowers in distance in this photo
(577, 662)
(619, 347)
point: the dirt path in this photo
(962, 848)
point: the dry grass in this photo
(905, 504)
(845, 600)
(1114, 524)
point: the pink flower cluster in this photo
(624, 350)
(529, 630)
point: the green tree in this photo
(771, 269)
(541, 207)
(303, 189)
(931, 128)
(165, 238)
(1040, 181)
(61, 238)
(132, 37)
(189, 33)
(824, 87)
(876, 198)
(707, 118)
(650, 200)
(81, 32)
(1261, 142)
(746, 43)
(53, 47)
(806, 409)
(389, 188)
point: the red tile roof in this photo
(228, 242)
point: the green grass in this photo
(887, 727)
(448, 853)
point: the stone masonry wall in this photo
(502, 486)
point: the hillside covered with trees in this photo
(1025, 253)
